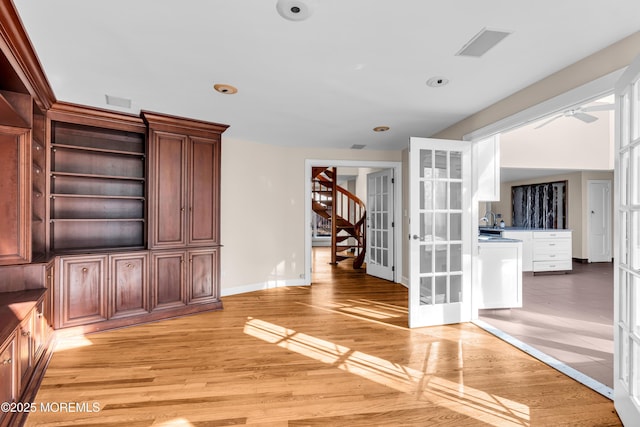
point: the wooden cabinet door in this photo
(204, 194)
(203, 276)
(81, 294)
(8, 372)
(167, 194)
(128, 285)
(168, 280)
(26, 347)
(15, 196)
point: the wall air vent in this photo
(482, 42)
(118, 102)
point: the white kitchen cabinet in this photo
(486, 153)
(500, 272)
(552, 251)
(527, 246)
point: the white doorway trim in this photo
(588, 92)
(397, 206)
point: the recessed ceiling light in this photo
(381, 128)
(295, 10)
(437, 82)
(226, 89)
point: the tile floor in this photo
(567, 316)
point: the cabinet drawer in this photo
(544, 246)
(552, 265)
(559, 234)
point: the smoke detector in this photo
(295, 10)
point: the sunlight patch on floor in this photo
(72, 342)
(477, 404)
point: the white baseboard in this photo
(404, 281)
(271, 284)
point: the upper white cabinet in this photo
(486, 153)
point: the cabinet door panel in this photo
(82, 291)
(129, 285)
(167, 208)
(26, 347)
(203, 193)
(203, 276)
(8, 374)
(15, 193)
(168, 280)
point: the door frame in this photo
(609, 209)
(397, 207)
(590, 91)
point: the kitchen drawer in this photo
(544, 246)
(561, 265)
(553, 256)
(556, 234)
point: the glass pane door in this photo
(627, 258)
(439, 289)
(380, 237)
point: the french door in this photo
(380, 238)
(626, 365)
(440, 232)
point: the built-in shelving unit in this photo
(39, 186)
(97, 197)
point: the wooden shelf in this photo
(88, 175)
(96, 196)
(98, 150)
(97, 188)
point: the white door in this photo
(440, 231)
(380, 237)
(599, 220)
(626, 315)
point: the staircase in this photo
(346, 213)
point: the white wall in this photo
(565, 143)
(262, 211)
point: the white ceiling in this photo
(323, 82)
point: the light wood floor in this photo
(335, 353)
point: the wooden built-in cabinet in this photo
(8, 370)
(203, 276)
(97, 197)
(128, 284)
(81, 291)
(168, 279)
(184, 176)
(15, 178)
(24, 333)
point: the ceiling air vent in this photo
(118, 102)
(482, 42)
(357, 146)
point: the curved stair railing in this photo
(346, 212)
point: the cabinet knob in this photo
(129, 265)
(7, 361)
(85, 269)
(181, 209)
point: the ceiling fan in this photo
(580, 113)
